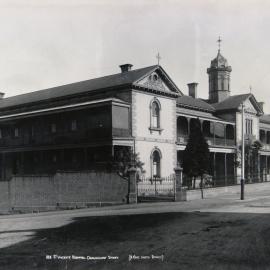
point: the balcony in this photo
(216, 133)
(210, 141)
(265, 147)
(250, 137)
(43, 138)
(182, 139)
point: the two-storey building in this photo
(84, 125)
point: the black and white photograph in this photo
(134, 134)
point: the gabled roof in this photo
(233, 103)
(194, 103)
(106, 82)
(265, 118)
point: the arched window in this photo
(156, 156)
(155, 115)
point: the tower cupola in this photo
(219, 78)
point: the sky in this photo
(47, 43)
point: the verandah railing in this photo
(183, 139)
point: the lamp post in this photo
(243, 154)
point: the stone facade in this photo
(148, 139)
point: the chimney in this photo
(192, 89)
(2, 95)
(261, 104)
(125, 67)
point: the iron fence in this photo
(156, 188)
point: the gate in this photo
(156, 189)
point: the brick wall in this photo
(63, 190)
(4, 196)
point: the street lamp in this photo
(243, 154)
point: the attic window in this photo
(153, 77)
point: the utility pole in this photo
(243, 155)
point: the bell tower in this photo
(219, 78)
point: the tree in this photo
(196, 155)
(125, 159)
(252, 148)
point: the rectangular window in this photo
(32, 133)
(53, 128)
(16, 132)
(249, 126)
(74, 125)
(120, 117)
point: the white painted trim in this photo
(147, 139)
(205, 118)
(221, 150)
(64, 107)
(153, 94)
(123, 142)
(211, 149)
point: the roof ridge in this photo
(69, 84)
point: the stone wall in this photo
(63, 190)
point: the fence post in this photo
(132, 186)
(180, 194)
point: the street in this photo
(217, 233)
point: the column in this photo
(225, 169)
(214, 138)
(201, 122)
(22, 164)
(225, 134)
(3, 169)
(259, 167)
(188, 121)
(267, 158)
(85, 158)
(214, 168)
(62, 160)
(265, 169)
(41, 163)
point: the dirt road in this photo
(219, 233)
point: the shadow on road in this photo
(190, 240)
